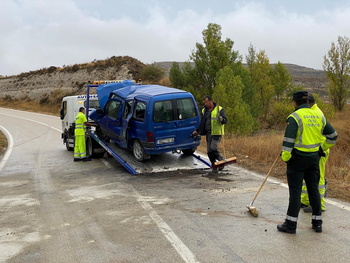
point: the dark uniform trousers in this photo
(212, 147)
(307, 168)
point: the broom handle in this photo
(267, 175)
(221, 126)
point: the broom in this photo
(250, 207)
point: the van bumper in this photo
(150, 148)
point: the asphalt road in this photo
(55, 210)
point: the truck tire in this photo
(93, 149)
(139, 152)
(68, 147)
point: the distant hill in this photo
(69, 80)
(311, 79)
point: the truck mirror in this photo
(61, 114)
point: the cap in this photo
(300, 95)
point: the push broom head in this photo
(253, 210)
(224, 162)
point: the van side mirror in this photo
(99, 111)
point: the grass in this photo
(257, 152)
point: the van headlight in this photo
(165, 141)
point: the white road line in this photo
(9, 147)
(41, 123)
(169, 234)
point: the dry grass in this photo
(3, 143)
(258, 152)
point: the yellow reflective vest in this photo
(309, 135)
(217, 128)
(80, 119)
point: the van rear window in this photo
(163, 111)
(185, 109)
(170, 110)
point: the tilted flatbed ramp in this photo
(157, 163)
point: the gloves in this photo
(286, 156)
(321, 153)
(221, 118)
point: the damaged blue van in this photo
(147, 119)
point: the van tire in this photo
(139, 152)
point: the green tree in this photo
(337, 66)
(152, 73)
(240, 121)
(210, 57)
(176, 76)
(264, 90)
(281, 79)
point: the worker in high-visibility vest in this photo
(79, 133)
(213, 120)
(305, 203)
(302, 143)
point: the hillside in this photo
(70, 79)
(311, 79)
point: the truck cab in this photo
(69, 110)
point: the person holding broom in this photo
(213, 120)
(303, 141)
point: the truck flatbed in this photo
(158, 163)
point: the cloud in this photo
(41, 33)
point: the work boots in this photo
(286, 228)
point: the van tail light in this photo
(149, 137)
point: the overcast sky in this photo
(42, 33)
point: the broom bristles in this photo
(253, 210)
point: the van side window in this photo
(112, 109)
(185, 109)
(140, 110)
(163, 111)
(127, 109)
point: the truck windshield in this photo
(92, 104)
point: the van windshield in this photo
(170, 110)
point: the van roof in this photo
(146, 91)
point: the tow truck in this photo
(169, 131)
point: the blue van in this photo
(147, 119)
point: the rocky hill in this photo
(71, 79)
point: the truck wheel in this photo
(189, 151)
(93, 149)
(68, 147)
(139, 152)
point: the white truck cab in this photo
(69, 110)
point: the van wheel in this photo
(139, 152)
(68, 147)
(189, 151)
